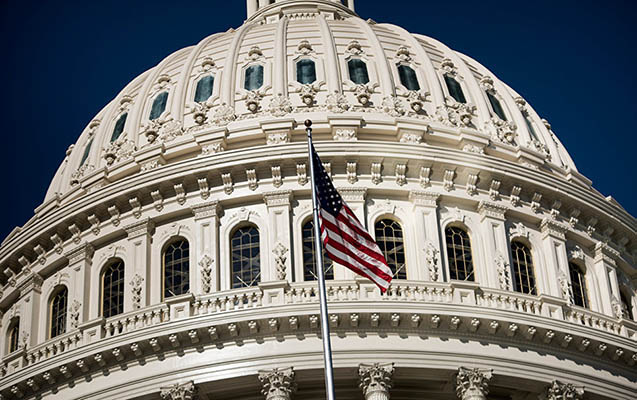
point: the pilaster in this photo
(605, 269)
(30, 293)
(376, 380)
(473, 384)
(278, 383)
(277, 266)
(207, 252)
(427, 235)
(554, 276)
(355, 199)
(138, 270)
(493, 233)
(80, 260)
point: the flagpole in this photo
(318, 250)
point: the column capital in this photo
(352, 194)
(33, 282)
(279, 198)
(550, 227)
(605, 253)
(206, 210)
(83, 252)
(488, 209)
(376, 380)
(424, 198)
(558, 390)
(473, 383)
(140, 228)
(182, 391)
(278, 383)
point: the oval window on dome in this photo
(159, 106)
(254, 77)
(497, 107)
(358, 71)
(408, 77)
(455, 90)
(119, 127)
(305, 72)
(87, 151)
(204, 88)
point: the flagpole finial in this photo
(308, 123)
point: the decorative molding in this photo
(536, 202)
(206, 272)
(95, 224)
(491, 210)
(345, 135)
(431, 258)
(605, 253)
(81, 253)
(206, 210)
(115, 214)
(448, 178)
(575, 253)
(401, 170)
(473, 384)
(144, 227)
(136, 284)
(515, 195)
(425, 177)
(278, 137)
(278, 383)
(251, 175)
(74, 313)
(518, 229)
(562, 391)
(553, 228)
(228, 185)
(472, 184)
(280, 198)
(277, 179)
(280, 260)
(376, 173)
(352, 177)
(204, 190)
(180, 193)
(350, 194)
(504, 271)
(301, 173)
(494, 190)
(376, 380)
(183, 391)
(423, 198)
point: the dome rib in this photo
(230, 67)
(388, 88)
(333, 77)
(280, 58)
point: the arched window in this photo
(523, 272)
(87, 151)
(159, 106)
(14, 335)
(408, 77)
(497, 107)
(254, 77)
(626, 306)
(246, 257)
(459, 254)
(455, 90)
(113, 289)
(204, 88)
(176, 268)
(305, 71)
(578, 285)
(119, 127)
(57, 312)
(358, 71)
(309, 255)
(389, 236)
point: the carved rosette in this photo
(278, 383)
(563, 391)
(376, 380)
(184, 391)
(473, 384)
(280, 258)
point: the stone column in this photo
(493, 271)
(604, 266)
(30, 293)
(553, 278)
(427, 236)
(183, 391)
(278, 384)
(561, 391)
(207, 251)
(80, 260)
(138, 267)
(376, 380)
(355, 199)
(473, 384)
(279, 238)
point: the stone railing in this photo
(512, 301)
(55, 346)
(135, 320)
(230, 300)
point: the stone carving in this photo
(448, 178)
(278, 383)
(344, 134)
(308, 94)
(431, 257)
(184, 391)
(136, 289)
(337, 102)
(473, 384)
(515, 195)
(363, 94)
(212, 148)
(228, 185)
(411, 137)
(472, 184)
(401, 177)
(456, 114)
(563, 391)
(575, 253)
(119, 150)
(351, 173)
(376, 380)
(280, 105)
(565, 287)
(472, 148)
(376, 176)
(301, 172)
(280, 258)
(206, 272)
(164, 129)
(277, 178)
(274, 138)
(393, 106)
(416, 100)
(223, 115)
(502, 131)
(75, 313)
(504, 272)
(251, 174)
(518, 229)
(494, 189)
(80, 172)
(425, 177)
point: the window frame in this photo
(108, 265)
(244, 72)
(164, 248)
(59, 289)
(460, 83)
(154, 98)
(296, 69)
(472, 251)
(492, 94)
(233, 231)
(366, 63)
(114, 126)
(417, 74)
(330, 267)
(13, 335)
(404, 245)
(534, 290)
(196, 82)
(583, 284)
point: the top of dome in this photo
(268, 8)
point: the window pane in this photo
(58, 312)
(254, 77)
(204, 88)
(523, 273)
(14, 336)
(408, 77)
(113, 289)
(497, 108)
(159, 105)
(455, 90)
(119, 127)
(176, 269)
(389, 236)
(246, 267)
(578, 285)
(309, 253)
(305, 72)
(626, 307)
(529, 125)
(459, 254)
(87, 151)
(358, 71)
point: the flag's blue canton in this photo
(327, 195)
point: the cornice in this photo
(208, 209)
(278, 198)
(83, 252)
(424, 198)
(144, 227)
(550, 227)
(488, 209)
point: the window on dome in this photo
(159, 106)
(358, 71)
(87, 151)
(389, 236)
(305, 71)
(408, 77)
(626, 307)
(497, 107)
(14, 335)
(176, 268)
(57, 312)
(113, 289)
(578, 285)
(246, 258)
(459, 254)
(204, 88)
(529, 126)
(254, 77)
(523, 272)
(455, 90)
(309, 256)
(119, 127)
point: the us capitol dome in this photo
(172, 256)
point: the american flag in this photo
(346, 241)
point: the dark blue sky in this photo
(574, 61)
